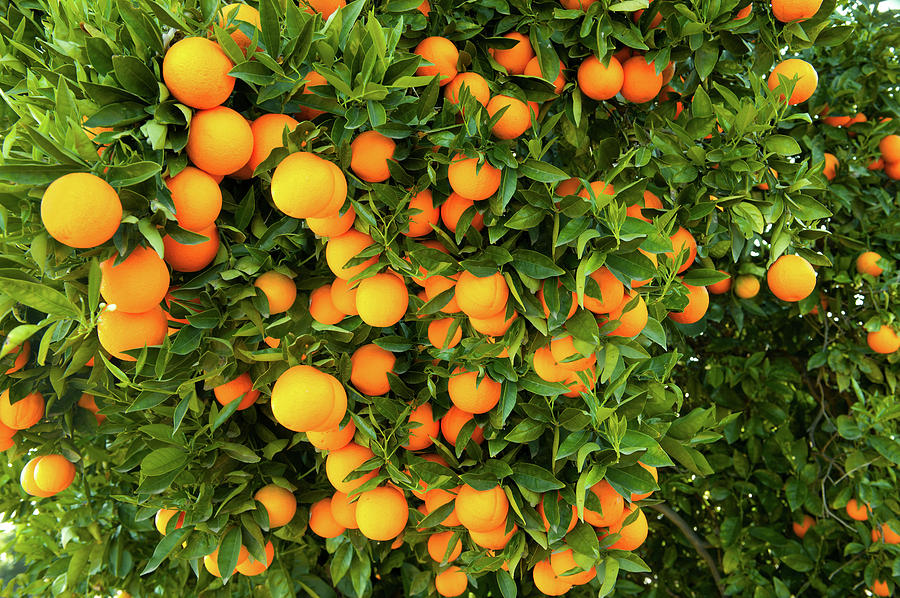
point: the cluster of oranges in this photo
(858, 511)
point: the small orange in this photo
(88, 402)
(342, 462)
(211, 561)
(344, 511)
(598, 81)
(650, 200)
(857, 511)
(867, 263)
(884, 340)
(764, 186)
(471, 394)
(442, 56)
(598, 189)
(514, 121)
(655, 474)
(280, 291)
(341, 249)
(577, 4)
(611, 503)
(566, 355)
(683, 240)
(438, 497)
(475, 83)
(631, 322)
(453, 207)
(322, 307)
(438, 331)
(533, 69)
(306, 186)
(219, 140)
(26, 479)
(163, 516)
(311, 79)
(641, 81)
(572, 308)
(435, 285)
(369, 366)
(472, 180)
(515, 59)
(197, 198)
(545, 580)
(721, 287)
(801, 528)
(333, 439)
(611, 292)
(890, 536)
(137, 284)
(892, 170)
(22, 414)
(495, 325)
(807, 79)
(880, 588)
(195, 71)
(452, 423)
(494, 539)
(698, 303)
(791, 278)
(325, 7)
(546, 367)
(632, 535)
(421, 224)
(321, 520)
(382, 300)
(232, 15)
(570, 186)
(119, 331)
(252, 567)
(192, 258)
(787, 11)
(382, 513)
(481, 510)
(562, 562)
(439, 546)
(343, 296)
(305, 398)
(481, 297)
(334, 225)
(22, 352)
(81, 210)
(370, 152)
(280, 504)
(573, 520)
(268, 134)
(53, 473)
(746, 286)
(451, 582)
(831, 166)
(423, 436)
(242, 386)
(890, 148)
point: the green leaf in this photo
(543, 172)
(535, 478)
(705, 59)
(506, 584)
(130, 174)
(271, 27)
(163, 460)
(165, 546)
(40, 297)
(229, 551)
(534, 264)
(782, 145)
(136, 77)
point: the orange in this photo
(650, 200)
(547, 582)
(475, 83)
(268, 134)
(791, 278)
(572, 520)
(572, 308)
(641, 81)
(481, 510)
(211, 561)
(800, 529)
(7, 442)
(515, 59)
(683, 240)
(219, 140)
(451, 582)
(884, 340)
(369, 367)
(453, 208)
(546, 367)
(341, 249)
(26, 479)
(195, 70)
(494, 539)
(435, 285)
(514, 121)
(92, 132)
(22, 353)
(304, 399)
(631, 322)
(890, 536)
(452, 423)
(831, 166)
(342, 462)
(438, 545)
(438, 331)
(192, 258)
(471, 394)
(442, 56)
(370, 152)
(890, 148)
(280, 291)
(306, 186)
(563, 562)
(576, 386)
(746, 286)
(533, 69)
(795, 10)
(721, 287)
(119, 331)
(481, 297)
(837, 121)
(53, 473)
(137, 284)
(867, 263)
(333, 439)
(343, 296)
(438, 497)
(611, 505)
(232, 15)
(424, 8)
(322, 307)
(764, 185)
(88, 402)
(280, 504)
(382, 300)
(382, 513)
(81, 210)
(495, 325)
(321, 521)
(577, 4)
(423, 436)
(632, 535)
(312, 79)
(472, 180)
(611, 292)
(163, 516)
(655, 474)
(892, 170)
(242, 386)
(698, 303)
(325, 7)
(807, 79)
(334, 225)
(252, 567)
(857, 511)
(598, 188)
(880, 588)
(563, 350)
(197, 198)
(420, 224)
(344, 511)
(570, 186)
(598, 81)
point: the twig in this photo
(698, 544)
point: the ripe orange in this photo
(211, 561)
(471, 394)
(598, 188)
(7, 442)
(795, 10)
(481, 510)
(880, 588)
(341, 249)
(333, 225)
(831, 166)
(807, 79)
(438, 331)
(119, 331)
(304, 399)
(435, 285)
(344, 511)
(683, 240)
(546, 581)
(312, 79)
(564, 352)
(453, 207)
(867, 263)
(438, 545)
(892, 170)
(280, 291)
(192, 258)
(611, 505)
(242, 386)
(370, 154)
(635, 284)
(577, 4)
(598, 81)
(451, 582)
(322, 307)
(631, 322)
(876, 164)
(472, 180)
(650, 200)
(721, 287)
(452, 423)
(791, 278)
(746, 286)
(81, 210)
(884, 340)
(53, 473)
(382, 300)
(890, 148)
(22, 352)
(280, 504)
(632, 535)
(546, 367)
(481, 297)
(572, 308)
(563, 562)
(655, 474)
(424, 8)
(306, 186)
(495, 325)
(641, 81)
(88, 402)
(443, 56)
(563, 508)
(382, 513)
(611, 292)
(423, 436)
(163, 516)
(494, 539)
(219, 140)
(800, 529)
(576, 385)
(197, 198)
(857, 511)
(343, 296)
(137, 284)
(369, 367)
(515, 59)
(570, 186)
(268, 134)
(516, 119)
(342, 462)
(321, 520)
(252, 567)
(764, 186)
(333, 439)
(475, 83)
(26, 479)
(698, 303)
(533, 69)
(325, 7)
(438, 497)
(195, 70)
(421, 224)
(890, 536)
(232, 15)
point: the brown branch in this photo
(695, 541)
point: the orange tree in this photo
(402, 298)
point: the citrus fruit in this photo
(721, 287)
(439, 330)
(471, 394)
(599, 81)
(435, 285)
(306, 186)
(807, 79)
(252, 567)
(563, 563)
(494, 539)
(453, 421)
(232, 15)
(791, 278)
(867, 263)
(305, 398)
(420, 224)
(611, 292)
(423, 436)
(382, 300)
(440, 58)
(563, 350)
(857, 511)
(655, 474)
(241, 387)
(684, 245)
(194, 257)
(533, 69)
(321, 521)
(119, 331)
(475, 83)
(472, 180)
(343, 296)
(81, 210)
(195, 70)
(889, 146)
(280, 291)
(495, 325)
(641, 81)
(382, 513)
(219, 140)
(698, 303)
(197, 198)
(481, 510)
(322, 307)
(884, 340)
(746, 286)
(795, 10)
(514, 59)
(515, 120)
(268, 134)
(53, 473)
(334, 438)
(334, 225)
(136, 284)
(370, 152)
(611, 505)
(438, 497)
(439, 546)
(453, 208)
(369, 367)
(631, 535)
(563, 509)
(280, 504)
(344, 511)
(451, 582)
(163, 516)
(546, 581)
(344, 461)
(481, 297)
(801, 528)
(632, 321)
(341, 249)
(831, 166)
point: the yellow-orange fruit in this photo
(22, 353)
(611, 292)
(232, 15)
(481, 510)
(334, 225)
(514, 59)
(598, 188)
(421, 224)
(382, 513)
(333, 439)
(339, 250)
(370, 152)
(655, 474)
(631, 322)
(795, 10)
(304, 399)
(438, 331)
(219, 140)
(867, 263)
(81, 210)
(577, 4)
(547, 582)
(570, 186)
(453, 208)
(342, 462)
(344, 511)
(438, 545)
(475, 83)
(880, 588)
(195, 70)
(563, 508)
(192, 258)
(137, 284)
(721, 287)
(698, 303)
(452, 423)
(280, 291)
(423, 436)
(211, 561)
(546, 366)
(369, 366)
(857, 511)
(563, 351)
(514, 121)
(683, 240)
(26, 480)
(892, 170)
(889, 146)
(641, 81)
(807, 80)
(268, 134)
(322, 307)
(7, 442)
(321, 520)
(831, 166)
(197, 198)
(746, 286)
(53, 473)
(252, 567)
(481, 297)
(563, 561)
(280, 504)
(600, 82)
(576, 385)
(382, 300)
(494, 539)
(791, 278)
(471, 180)
(632, 535)
(451, 582)
(471, 394)
(650, 200)
(890, 536)
(343, 296)
(572, 308)
(801, 528)
(88, 402)
(443, 56)
(884, 340)
(306, 186)
(311, 79)
(611, 505)
(325, 7)
(242, 386)
(495, 325)
(438, 497)
(163, 516)
(119, 331)
(533, 69)
(435, 285)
